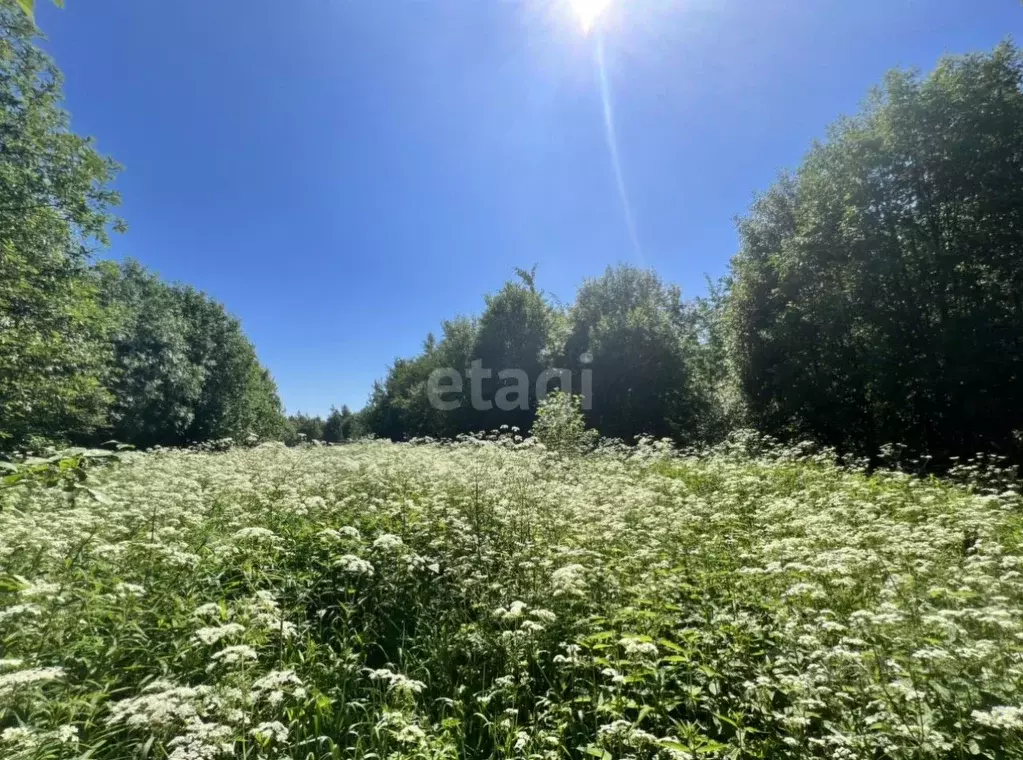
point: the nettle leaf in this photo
(10, 584)
(667, 644)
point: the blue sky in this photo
(345, 174)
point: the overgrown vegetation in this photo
(489, 599)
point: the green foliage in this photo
(339, 426)
(27, 6)
(518, 330)
(642, 344)
(651, 357)
(878, 290)
(98, 351)
(561, 426)
(157, 385)
(54, 354)
(184, 370)
(307, 427)
(399, 407)
(67, 470)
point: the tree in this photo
(651, 360)
(239, 397)
(184, 371)
(640, 342)
(338, 427)
(399, 406)
(28, 6)
(309, 427)
(54, 354)
(517, 338)
(878, 292)
(156, 386)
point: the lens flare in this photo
(612, 146)
(588, 12)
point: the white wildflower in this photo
(353, 565)
(210, 636)
(270, 731)
(388, 542)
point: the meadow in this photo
(489, 598)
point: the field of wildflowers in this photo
(490, 599)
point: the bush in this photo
(561, 426)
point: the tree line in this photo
(648, 352)
(876, 297)
(92, 350)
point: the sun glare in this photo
(588, 12)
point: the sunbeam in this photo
(612, 145)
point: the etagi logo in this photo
(445, 388)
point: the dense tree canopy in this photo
(637, 338)
(184, 371)
(400, 407)
(304, 427)
(629, 345)
(54, 206)
(877, 298)
(879, 290)
(339, 426)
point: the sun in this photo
(588, 11)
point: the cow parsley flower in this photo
(1002, 717)
(569, 580)
(270, 731)
(210, 636)
(232, 655)
(21, 679)
(388, 542)
(353, 565)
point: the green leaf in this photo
(28, 6)
(10, 584)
